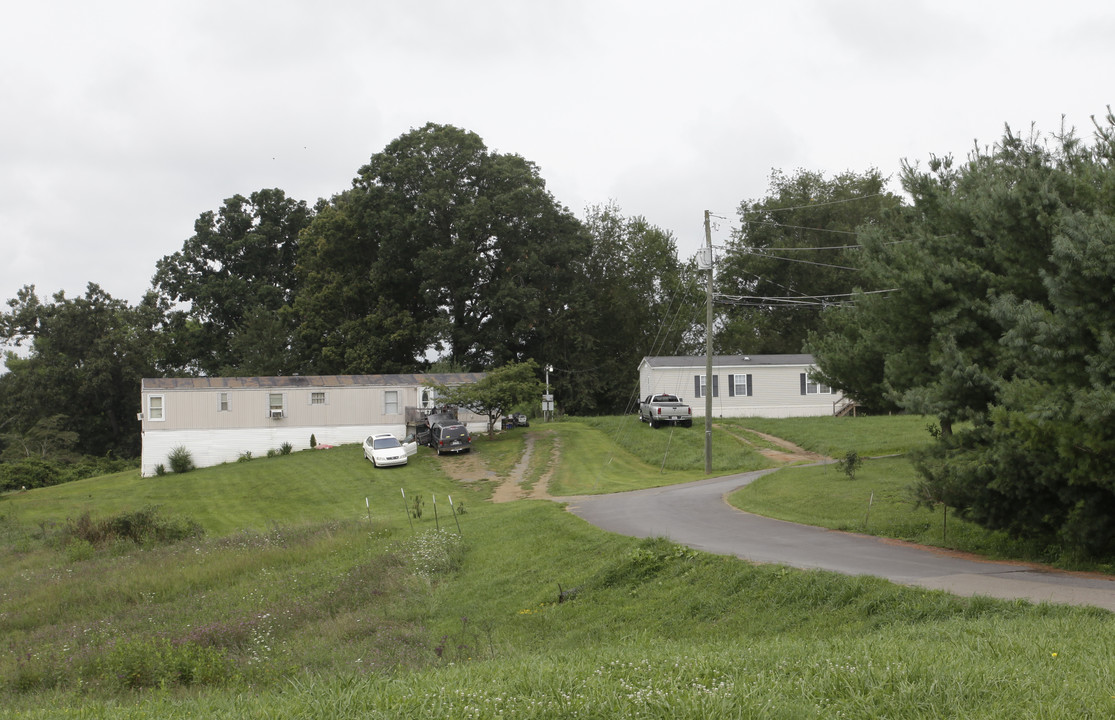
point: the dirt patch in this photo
(541, 489)
(468, 467)
(508, 488)
(784, 452)
(513, 488)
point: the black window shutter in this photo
(803, 383)
(749, 388)
(731, 385)
(697, 386)
(715, 390)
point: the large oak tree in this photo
(233, 278)
(440, 248)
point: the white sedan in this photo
(385, 449)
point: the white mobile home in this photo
(742, 385)
(220, 418)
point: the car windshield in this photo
(384, 443)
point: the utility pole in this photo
(708, 349)
(548, 399)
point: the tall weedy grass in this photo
(319, 605)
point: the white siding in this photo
(198, 409)
(776, 390)
(192, 418)
(213, 447)
(671, 381)
(216, 446)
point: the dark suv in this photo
(425, 429)
(450, 438)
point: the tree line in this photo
(998, 322)
(978, 295)
(442, 255)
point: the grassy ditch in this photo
(306, 590)
(342, 620)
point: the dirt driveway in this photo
(520, 483)
(530, 477)
(784, 451)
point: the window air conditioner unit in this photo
(276, 414)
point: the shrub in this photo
(132, 663)
(286, 449)
(181, 460)
(160, 469)
(245, 456)
(35, 472)
(79, 550)
(849, 464)
(88, 467)
(272, 452)
(31, 472)
(313, 441)
(139, 526)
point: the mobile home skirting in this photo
(220, 419)
(213, 447)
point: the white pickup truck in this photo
(659, 410)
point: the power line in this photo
(823, 204)
(814, 297)
(760, 250)
(798, 227)
(788, 248)
(794, 301)
(804, 262)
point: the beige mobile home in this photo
(742, 385)
(220, 418)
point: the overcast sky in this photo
(123, 121)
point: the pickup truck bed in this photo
(659, 410)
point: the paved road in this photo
(696, 514)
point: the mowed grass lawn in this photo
(877, 500)
(304, 487)
(616, 454)
(314, 595)
(835, 436)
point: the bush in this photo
(160, 469)
(286, 449)
(35, 472)
(133, 663)
(181, 460)
(78, 550)
(245, 456)
(29, 472)
(272, 452)
(141, 527)
(88, 467)
(849, 464)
